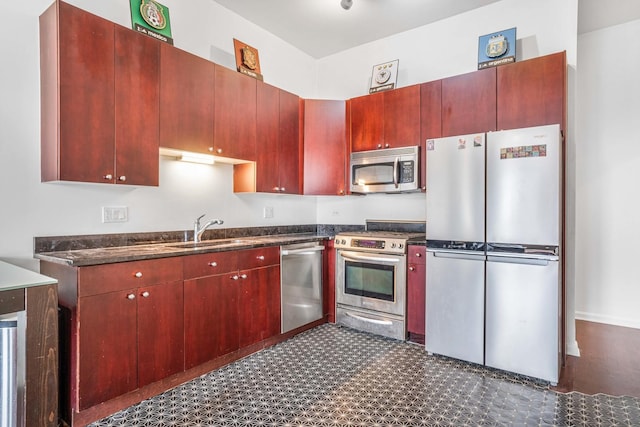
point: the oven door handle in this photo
(367, 319)
(354, 257)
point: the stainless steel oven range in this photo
(371, 281)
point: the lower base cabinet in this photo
(416, 295)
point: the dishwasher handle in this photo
(302, 251)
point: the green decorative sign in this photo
(151, 18)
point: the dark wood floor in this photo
(609, 361)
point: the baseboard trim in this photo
(610, 320)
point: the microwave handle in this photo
(395, 171)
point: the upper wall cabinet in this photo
(186, 101)
(469, 103)
(290, 149)
(325, 147)
(532, 92)
(235, 115)
(385, 119)
(94, 129)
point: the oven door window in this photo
(369, 280)
(373, 174)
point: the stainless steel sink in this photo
(212, 243)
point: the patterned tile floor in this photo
(335, 376)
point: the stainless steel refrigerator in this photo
(519, 252)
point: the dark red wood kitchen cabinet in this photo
(325, 148)
(430, 121)
(235, 115)
(290, 150)
(267, 169)
(386, 119)
(137, 89)
(367, 122)
(99, 112)
(130, 328)
(229, 298)
(187, 85)
(469, 103)
(402, 117)
(416, 285)
(532, 92)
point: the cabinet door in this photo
(160, 332)
(402, 117)
(225, 316)
(416, 283)
(325, 147)
(202, 315)
(235, 115)
(267, 150)
(108, 358)
(367, 122)
(86, 100)
(469, 103)
(290, 147)
(137, 73)
(259, 304)
(532, 92)
(186, 101)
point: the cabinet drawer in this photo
(100, 279)
(417, 254)
(259, 257)
(209, 264)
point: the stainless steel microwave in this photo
(389, 170)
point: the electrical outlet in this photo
(267, 212)
(115, 214)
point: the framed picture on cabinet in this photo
(497, 48)
(247, 60)
(384, 76)
(151, 18)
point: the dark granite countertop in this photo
(108, 255)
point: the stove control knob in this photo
(343, 242)
(400, 246)
(393, 245)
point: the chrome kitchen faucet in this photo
(198, 230)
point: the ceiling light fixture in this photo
(346, 4)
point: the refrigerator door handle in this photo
(458, 255)
(511, 259)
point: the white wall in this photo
(608, 174)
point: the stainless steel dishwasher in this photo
(300, 284)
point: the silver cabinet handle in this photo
(379, 145)
(213, 264)
(260, 257)
(131, 296)
(243, 276)
(138, 274)
(283, 189)
(234, 277)
(386, 145)
(145, 294)
(122, 178)
(108, 177)
(412, 268)
(418, 254)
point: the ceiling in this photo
(321, 27)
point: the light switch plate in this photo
(115, 214)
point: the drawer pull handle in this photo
(108, 177)
(131, 296)
(213, 264)
(243, 276)
(412, 268)
(261, 257)
(138, 274)
(122, 178)
(145, 294)
(418, 254)
(234, 277)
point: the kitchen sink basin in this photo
(212, 243)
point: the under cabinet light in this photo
(196, 158)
